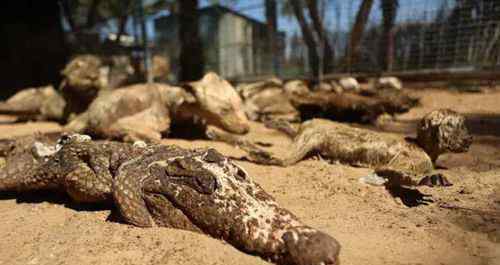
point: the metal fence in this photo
(409, 36)
(339, 36)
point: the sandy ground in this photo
(372, 227)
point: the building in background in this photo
(234, 45)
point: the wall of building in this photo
(235, 46)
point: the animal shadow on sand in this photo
(409, 197)
(53, 197)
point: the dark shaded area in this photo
(361, 107)
(191, 54)
(310, 111)
(409, 197)
(435, 180)
(54, 197)
(32, 50)
(187, 130)
(115, 217)
(34, 197)
(484, 124)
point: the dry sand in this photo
(372, 227)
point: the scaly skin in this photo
(145, 111)
(219, 198)
(356, 146)
(41, 103)
(138, 112)
(443, 131)
(81, 167)
(22, 157)
(267, 100)
(439, 132)
(198, 190)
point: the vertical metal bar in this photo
(321, 41)
(457, 34)
(145, 45)
(272, 24)
(350, 11)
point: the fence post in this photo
(272, 27)
(145, 46)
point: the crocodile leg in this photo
(166, 214)
(302, 145)
(128, 196)
(85, 185)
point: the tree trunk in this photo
(92, 14)
(123, 20)
(272, 26)
(307, 35)
(33, 50)
(328, 53)
(191, 55)
(389, 9)
(357, 31)
(387, 48)
(69, 15)
(121, 28)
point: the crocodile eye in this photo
(213, 156)
(206, 184)
(240, 173)
(63, 139)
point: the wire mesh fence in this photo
(317, 37)
(397, 36)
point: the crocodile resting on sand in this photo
(138, 112)
(144, 112)
(199, 190)
(440, 131)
